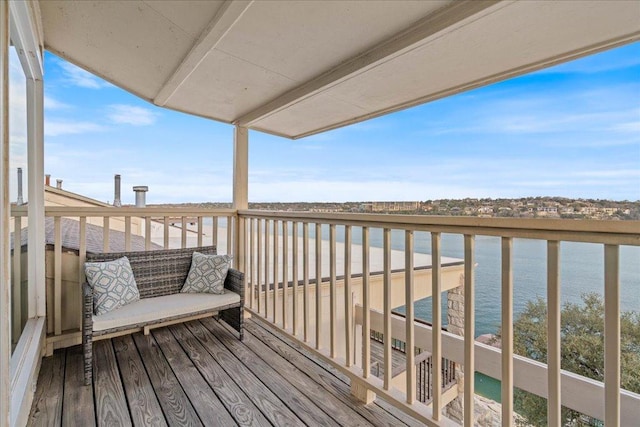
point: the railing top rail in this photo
(91, 211)
(594, 231)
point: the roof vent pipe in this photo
(20, 200)
(47, 180)
(59, 184)
(116, 197)
(140, 191)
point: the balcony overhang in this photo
(299, 68)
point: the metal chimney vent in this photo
(140, 191)
(116, 197)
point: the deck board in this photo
(234, 399)
(137, 387)
(198, 373)
(110, 401)
(281, 380)
(47, 402)
(374, 414)
(262, 397)
(78, 408)
(174, 402)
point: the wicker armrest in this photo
(87, 331)
(87, 304)
(235, 283)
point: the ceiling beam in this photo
(447, 19)
(224, 19)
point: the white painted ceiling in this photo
(295, 68)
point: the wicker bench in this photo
(159, 276)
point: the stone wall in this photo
(487, 413)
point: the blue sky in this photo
(572, 130)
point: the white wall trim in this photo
(25, 365)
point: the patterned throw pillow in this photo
(207, 273)
(113, 284)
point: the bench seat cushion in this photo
(150, 310)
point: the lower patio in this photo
(198, 373)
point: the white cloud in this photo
(79, 77)
(57, 128)
(131, 115)
(53, 104)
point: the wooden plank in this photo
(110, 400)
(200, 394)
(57, 273)
(436, 341)
(348, 298)
(366, 304)
(387, 307)
(228, 393)
(331, 384)
(251, 260)
(175, 403)
(294, 268)
(127, 233)
(389, 408)
(276, 257)
(612, 335)
(200, 231)
(259, 262)
(230, 247)
(106, 228)
(47, 402)
(214, 232)
(305, 408)
(469, 330)
(318, 336)
(78, 407)
(333, 314)
(262, 397)
(312, 403)
(554, 400)
(408, 291)
(183, 232)
(143, 403)
(305, 278)
(285, 273)
(16, 290)
(166, 232)
(267, 245)
(147, 233)
(507, 332)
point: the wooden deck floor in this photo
(198, 373)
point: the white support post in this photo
(240, 187)
(5, 267)
(35, 171)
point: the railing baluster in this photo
(214, 232)
(276, 256)
(612, 335)
(267, 244)
(127, 233)
(166, 232)
(105, 234)
(554, 414)
(366, 306)
(507, 331)
(294, 268)
(183, 232)
(285, 272)
(230, 235)
(259, 263)
(436, 337)
(388, 371)
(16, 293)
(318, 285)
(200, 231)
(82, 257)
(251, 257)
(147, 233)
(332, 290)
(409, 346)
(469, 330)
(348, 299)
(57, 275)
(305, 279)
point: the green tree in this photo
(582, 349)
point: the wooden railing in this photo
(308, 288)
(71, 232)
(293, 283)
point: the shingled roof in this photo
(70, 231)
